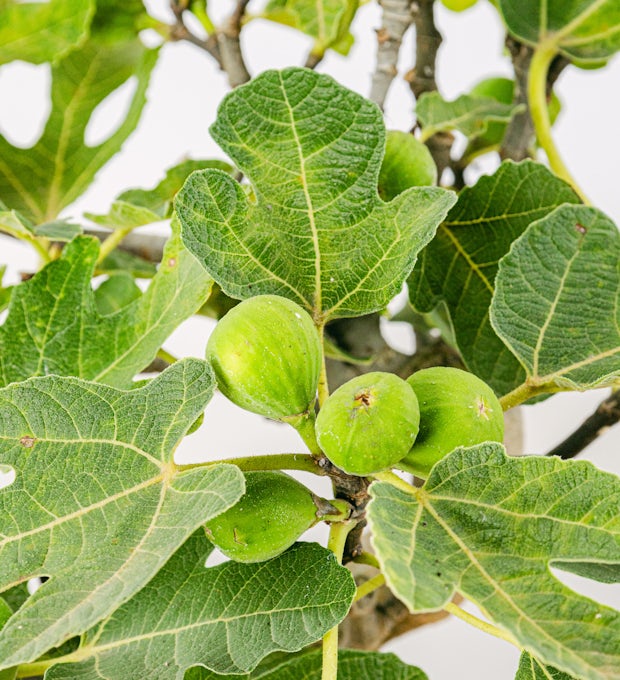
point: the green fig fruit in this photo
(456, 409)
(369, 423)
(407, 163)
(272, 514)
(266, 355)
(458, 5)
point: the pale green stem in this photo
(337, 539)
(367, 558)
(537, 99)
(38, 668)
(276, 461)
(480, 624)
(31, 240)
(199, 10)
(394, 480)
(111, 242)
(369, 586)
(526, 391)
(304, 425)
(164, 355)
(323, 385)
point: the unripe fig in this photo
(456, 409)
(266, 355)
(369, 423)
(272, 514)
(407, 163)
(458, 5)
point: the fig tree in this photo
(369, 423)
(407, 163)
(266, 355)
(272, 514)
(456, 409)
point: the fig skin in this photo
(407, 163)
(369, 423)
(272, 514)
(456, 409)
(266, 355)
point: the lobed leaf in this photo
(42, 180)
(327, 21)
(97, 505)
(530, 668)
(470, 115)
(54, 326)
(315, 230)
(226, 618)
(460, 264)
(556, 300)
(584, 30)
(38, 32)
(489, 527)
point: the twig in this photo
(428, 39)
(179, 31)
(606, 415)
(422, 77)
(397, 18)
(230, 47)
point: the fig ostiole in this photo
(266, 355)
(456, 409)
(272, 514)
(369, 423)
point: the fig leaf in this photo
(97, 505)
(53, 325)
(556, 300)
(226, 618)
(489, 526)
(352, 665)
(316, 230)
(478, 232)
(586, 31)
(530, 668)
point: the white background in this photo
(185, 90)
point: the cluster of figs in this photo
(266, 356)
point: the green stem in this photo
(30, 239)
(276, 461)
(537, 100)
(480, 624)
(323, 385)
(337, 538)
(164, 355)
(526, 391)
(38, 668)
(394, 480)
(367, 558)
(199, 9)
(111, 242)
(304, 425)
(369, 586)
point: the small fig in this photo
(456, 409)
(369, 423)
(407, 163)
(458, 5)
(266, 355)
(272, 514)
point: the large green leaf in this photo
(43, 31)
(53, 325)
(97, 504)
(226, 618)
(530, 668)
(42, 180)
(489, 526)
(327, 21)
(352, 665)
(459, 266)
(556, 300)
(585, 30)
(316, 231)
(470, 115)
